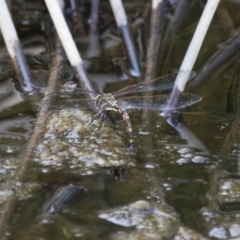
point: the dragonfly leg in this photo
(113, 122)
(105, 115)
(95, 116)
(103, 118)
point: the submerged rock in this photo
(219, 224)
(188, 234)
(151, 220)
(21, 190)
(70, 141)
(229, 190)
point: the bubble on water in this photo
(9, 150)
(183, 160)
(200, 159)
(144, 133)
(149, 165)
(184, 150)
(72, 166)
(47, 221)
(188, 155)
(45, 170)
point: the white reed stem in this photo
(119, 12)
(122, 23)
(63, 32)
(195, 45)
(8, 30)
(155, 4)
(14, 48)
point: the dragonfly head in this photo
(106, 100)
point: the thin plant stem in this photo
(123, 26)
(172, 28)
(14, 48)
(9, 207)
(191, 55)
(155, 26)
(77, 18)
(219, 61)
(94, 48)
(70, 48)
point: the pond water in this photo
(182, 182)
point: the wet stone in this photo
(151, 220)
(187, 155)
(70, 142)
(229, 190)
(188, 234)
(24, 191)
(218, 232)
(8, 168)
(234, 230)
(218, 225)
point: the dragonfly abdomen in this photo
(128, 125)
(107, 102)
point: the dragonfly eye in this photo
(97, 99)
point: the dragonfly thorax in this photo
(106, 102)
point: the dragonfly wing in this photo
(158, 103)
(159, 84)
(149, 103)
(66, 88)
(168, 82)
(68, 95)
(58, 103)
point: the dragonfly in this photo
(117, 102)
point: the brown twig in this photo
(156, 26)
(9, 207)
(57, 63)
(77, 19)
(173, 26)
(152, 54)
(219, 60)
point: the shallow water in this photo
(181, 181)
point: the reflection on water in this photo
(183, 178)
